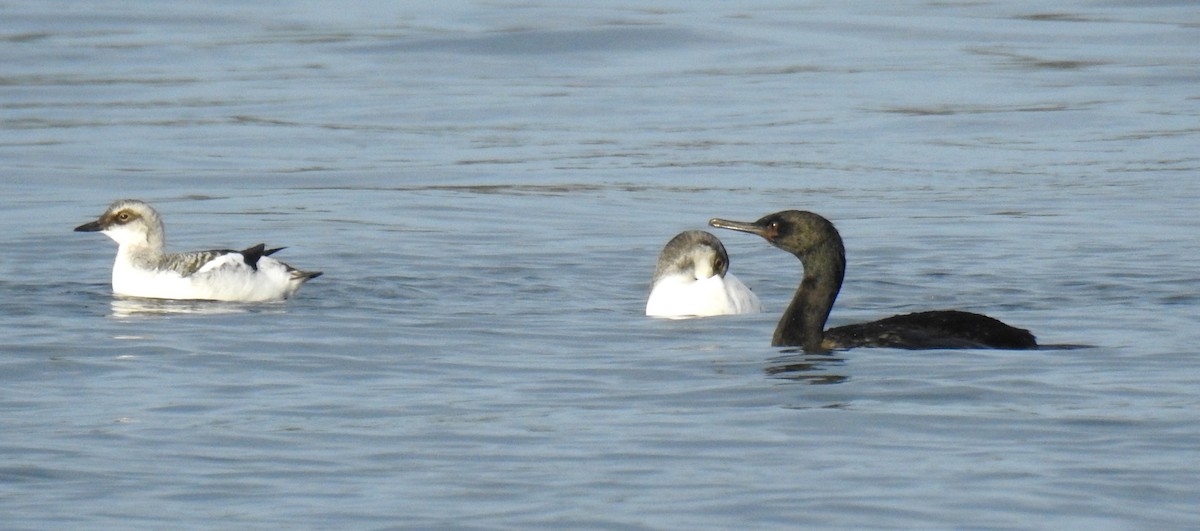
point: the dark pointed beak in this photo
(90, 227)
(742, 226)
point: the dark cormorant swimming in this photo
(815, 241)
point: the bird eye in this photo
(772, 231)
(123, 216)
(719, 264)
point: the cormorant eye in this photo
(772, 231)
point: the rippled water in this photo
(486, 186)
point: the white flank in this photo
(683, 296)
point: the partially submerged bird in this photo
(815, 241)
(144, 269)
(692, 279)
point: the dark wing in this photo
(252, 254)
(931, 330)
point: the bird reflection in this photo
(125, 307)
(806, 368)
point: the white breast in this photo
(226, 278)
(682, 296)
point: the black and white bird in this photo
(144, 269)
(692, 279)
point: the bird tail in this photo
(305, 276)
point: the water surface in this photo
(486, 186)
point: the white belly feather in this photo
(680, 296)
(225, 278)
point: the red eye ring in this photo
(772, 231)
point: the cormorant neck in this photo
(803, 324)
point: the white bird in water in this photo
(144, 269)
(692, 279)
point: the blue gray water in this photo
(486, 186)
